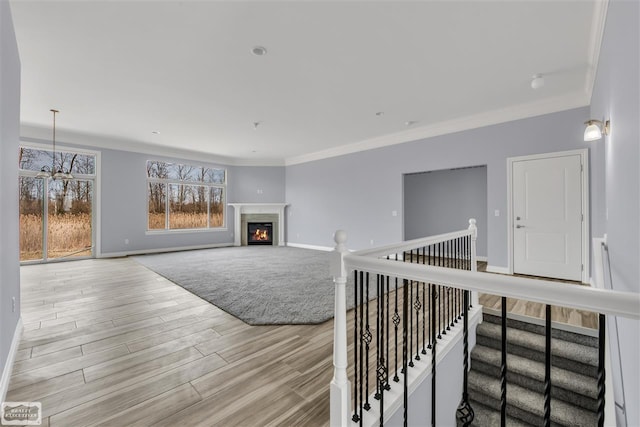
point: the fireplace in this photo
(259, 233)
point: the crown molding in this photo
(598, 22)
(517, 112)
(522, 111)
(35, 133)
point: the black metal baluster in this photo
(431, 314)
(361, 342)
(439, 311)
(424, 320)
(382, 367)
(547, 367)
(387, 385)
(450, 292)
(396, 322)
(433, 359)
(367, 340)
(405, 349)
(455, 291)
(378, 337)
(410, 321)
(355, 417)
(601, 370)
(503, 366)
(465, 412)
(440, 330)
(416, 306)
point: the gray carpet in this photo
(261, 285)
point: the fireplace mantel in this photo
(257, 208)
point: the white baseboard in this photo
(482, 258)
(155, 251)
(11, 357)
(499, 270)
(314, 247)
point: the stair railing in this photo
(398, 315)
(381, 266)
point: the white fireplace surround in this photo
(257, 208)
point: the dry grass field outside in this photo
(184, 220)
(68, 234)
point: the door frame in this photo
(584, 161)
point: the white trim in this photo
(11, 357)
(97, 207)
(507, 114)
(257, 208)
(314, 247)
(482, 258)
(598, 21)
(34, 132)
(498, 270)
(584, 160)
(617, 303)
(516, 112)
(96, 210)
(160, 250)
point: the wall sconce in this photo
(595, 129)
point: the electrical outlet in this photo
(126, 241)
(394, 213)
(496, 212)
(371, 242)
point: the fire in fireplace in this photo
(260, 233)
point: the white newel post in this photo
(340, 388)
(474, 257)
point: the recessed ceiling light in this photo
(537, 81)
(155, 132)
(259, 51)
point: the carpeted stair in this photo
(574, 359)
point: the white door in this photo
(547, 217)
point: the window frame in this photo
(168, 182)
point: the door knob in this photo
(517, 218)
(519, 226)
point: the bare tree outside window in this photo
(184, 196)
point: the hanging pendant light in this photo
(52, 172)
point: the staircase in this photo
(574, 363)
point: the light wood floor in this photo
(110, 343)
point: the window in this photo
(56, 216)
(185, 196)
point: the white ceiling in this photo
(118, 70)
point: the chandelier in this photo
(52, 172)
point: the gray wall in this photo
(9, 137)
(616, 96)
(123, 201)
(441, 201)
(256, 184)
(358, 192)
